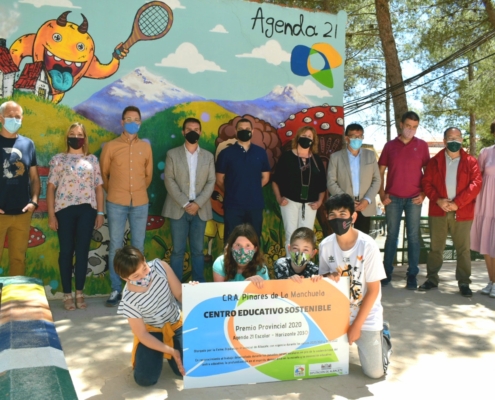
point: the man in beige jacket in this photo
(354, 171)
(189, 180)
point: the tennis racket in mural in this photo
(152, 21)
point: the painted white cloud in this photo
(188, 57)
(8, 21)
(271, 52)
(309, 88)
(219, 29)
(173, 4)
(51, 3)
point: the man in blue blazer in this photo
(355, 171)
(189, 180)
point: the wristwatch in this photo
(34, 204)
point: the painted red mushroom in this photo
(36, 238)
(328, 122)
(154, 222)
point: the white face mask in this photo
(144, 282)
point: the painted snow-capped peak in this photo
(288, 94)
(143, 84)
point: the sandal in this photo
(69, 302)
(80, 301)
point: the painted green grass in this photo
(46, 123)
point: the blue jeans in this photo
(192, 227)
(117, 217)
(148, 362)
(393, 215)
(75, 227)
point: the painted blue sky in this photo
(212, 49)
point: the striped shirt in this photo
(157, 305)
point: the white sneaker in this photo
(487, 289)
(492, 292)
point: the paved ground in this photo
(444, 348)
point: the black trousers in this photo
(362, 223)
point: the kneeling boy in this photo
(149, 303)
(298, 264)
(349, 252)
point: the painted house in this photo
(7, 70)
(33, 79)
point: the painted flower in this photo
(319, 238)
(274, 253)
(166, 256)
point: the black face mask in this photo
(192, 136)
(244, 135)
(305, 142)
(75, 143)
(340, 225)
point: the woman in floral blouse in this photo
(75, 206)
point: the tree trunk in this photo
(394, 71)
(387, 115)
(472, 118)
(490, 11)
(329, 6)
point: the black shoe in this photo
(412, 283)
(465, 291)
(114, 299)
(427, 286)
(386, 281)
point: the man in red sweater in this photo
(452, 181)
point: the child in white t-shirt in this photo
(349, 252)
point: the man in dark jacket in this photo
(452, 181)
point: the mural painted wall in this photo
(216, 60)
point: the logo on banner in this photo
(299, 370)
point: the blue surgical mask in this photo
(12, 125)
(131, 127)
(356, 143)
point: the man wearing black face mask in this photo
(189, 180)
(242, 171)
(352, 253)
(452, 181)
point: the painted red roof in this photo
(7, 65)
(29, 76)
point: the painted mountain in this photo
(152, 94)
(274, 108)
(149, 92)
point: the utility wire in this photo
(357, 105)
(378, 101)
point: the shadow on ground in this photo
(441, 342)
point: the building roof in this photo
(7, 65)
(30, 74)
